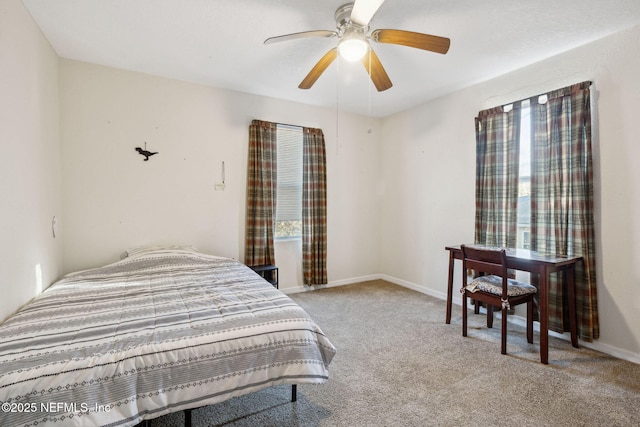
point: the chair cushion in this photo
(493, 285)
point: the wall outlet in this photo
(220, 187)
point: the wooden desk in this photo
(533, 262)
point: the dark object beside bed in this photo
(158, 332)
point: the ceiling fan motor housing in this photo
(346, 28)
(342, 15)
(344, 23)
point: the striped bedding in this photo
(157, 332)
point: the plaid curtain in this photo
(562, 199)
(497, 169)
(314, 208)
(261, 194)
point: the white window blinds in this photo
(289, 188)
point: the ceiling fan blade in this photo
(411, 39)
(318, 69)
(377, 72)
(363, 11)
(303, 34)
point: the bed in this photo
(162, 330)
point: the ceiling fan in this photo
(352, 23)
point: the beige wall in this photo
(113, 199)
(30, 192)
(429, 173)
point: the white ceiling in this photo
(220, 42)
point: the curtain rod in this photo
(584, 84)
(286, 124)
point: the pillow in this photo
(142, 250)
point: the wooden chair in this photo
(494, 288)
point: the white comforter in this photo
(155, 333)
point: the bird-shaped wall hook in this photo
(144, 152)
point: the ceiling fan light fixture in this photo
(353, 48)
(353, 23)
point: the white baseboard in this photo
(612, 351)
(595, 345)
(332, 284)
(519, 320)
(415, 287)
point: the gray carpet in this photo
(398, 363)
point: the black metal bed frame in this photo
(187, 412)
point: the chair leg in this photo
(504, 331)
(530, 322)
(464, 314)
(489, 316)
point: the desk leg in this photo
(571, 296)
(544, 315)
(450, 287)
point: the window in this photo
(523, 239)
(552, 180)
(289, 182)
